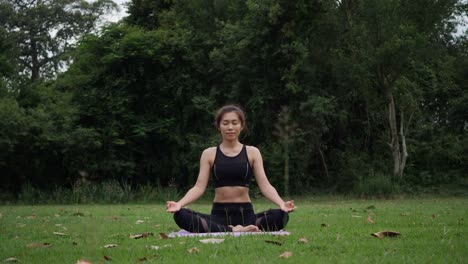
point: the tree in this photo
(45, 30)
(388, 42)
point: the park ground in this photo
(322, 230)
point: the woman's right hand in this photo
(172, 207)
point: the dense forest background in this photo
(350, 96)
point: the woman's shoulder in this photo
(251, 150)
(209, 151)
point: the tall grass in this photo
(108, 192)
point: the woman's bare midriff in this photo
(232, 194)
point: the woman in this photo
(231, 165)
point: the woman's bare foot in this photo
(249, 228)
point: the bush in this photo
(377, 185)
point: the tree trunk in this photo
(286, 168)
(35, 67)
(394, 144)
(404, 152)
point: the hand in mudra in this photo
(172, 206)
(288, 206)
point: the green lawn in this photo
(338, 231)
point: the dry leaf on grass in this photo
(60, 234)
(142, 259)
(386, 233)
(163, 236)
(83, 261)
(33, 216)
(110, 245)
(212, 240)
(139, 222)
(193, 250)
(303, 240)
(273, 242)
(106, 258)
(38, 245)
(137, 236)
(12, 260)
(286, 254)
(369, 219)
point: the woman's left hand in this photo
(288, 206)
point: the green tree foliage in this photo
(375, 92)
(45, 29)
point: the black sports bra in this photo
(231, 171)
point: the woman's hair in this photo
(228, 109)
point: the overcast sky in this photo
(117, 15)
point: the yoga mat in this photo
(184, 233)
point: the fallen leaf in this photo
(303, 240)
(142, 259)
(273, 242)
(83, 261)
(325, 225)
(139, 222)
(110, 245)
(193, 250)
(163, 236)
(369, 219)
(33, 216)
(338, 237)
(137, 236)
(60, 234)
(38, 245)
(106, 258)
(386, 233)
(286, 254)
(212, 240)
(12, 260)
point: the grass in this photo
(433, 230)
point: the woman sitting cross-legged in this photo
(231, 165)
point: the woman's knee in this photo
(182, 214)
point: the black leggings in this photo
(225, 214)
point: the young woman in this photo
(231, 165)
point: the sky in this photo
(117, 15)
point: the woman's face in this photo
(230, 126)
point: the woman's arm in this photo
(262, 181)
(199, 188)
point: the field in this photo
(325, 230)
